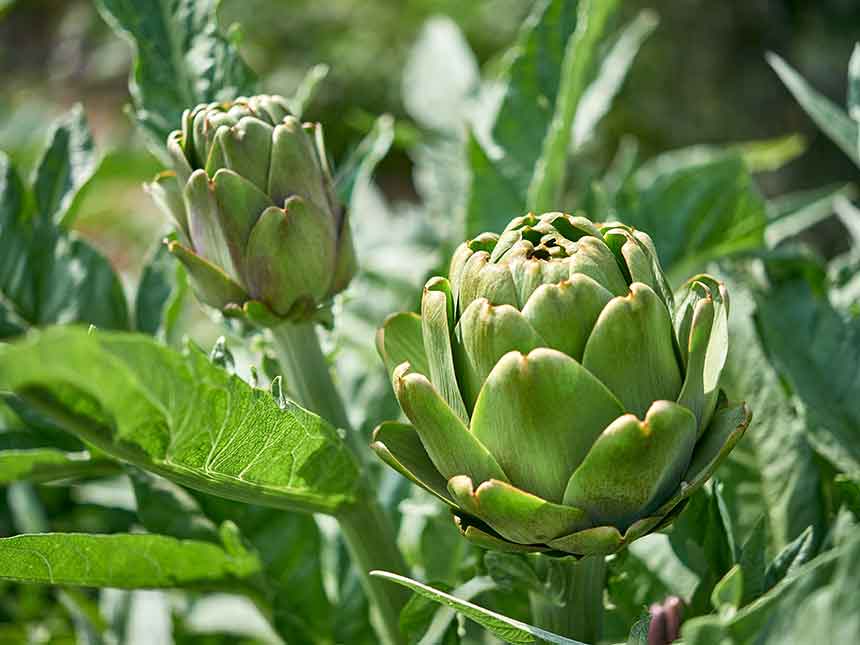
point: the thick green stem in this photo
(574, 606)
(306, 372)
(370, 539)
(367, 530)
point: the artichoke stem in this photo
(307, 377)
(572, 605)
(367, 530)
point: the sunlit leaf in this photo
(181, 58)
(829, 117)
(182, 417)
(507, 629)
(124, 561)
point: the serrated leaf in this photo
(143, 403)
(829, 117)
(67, 164)
(123, 561)
(507, 629)
(181, 58)
(48, 275)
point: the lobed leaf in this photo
(181, 58)
(182, 417)
(67, 164)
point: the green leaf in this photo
(700, 213)
(547, 183)
(417, 616)
(507, 629)
(439, 623)
(854, 84)
(48, 275)
(597, 99)
(161, 295)
(752, 562)
(759, 155)
(291, 548)
(796, 212)
(795, 554)
(40, 465)
(830, 118)
(493, 199)
(307, 89)
(440, 77)
(357, 169)
(539, 63)
(168, 509)
(123, 561)
(817, 349)
(67, 164)
(817, 601)
(181, 58)
(639, 632)
(728, 592)
(512, 571)
(180, 416)
(774, 469)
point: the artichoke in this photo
(259, 226)
(560, 402)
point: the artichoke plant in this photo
(559, 401)
(259, 226)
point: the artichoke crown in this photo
(252, 195)
(559, 400)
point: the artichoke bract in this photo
(258, 223)
(559, 400)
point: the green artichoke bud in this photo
(560, 402)
(259, 226)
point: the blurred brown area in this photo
(701, 78)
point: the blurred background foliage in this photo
(701, 78)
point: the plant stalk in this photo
(366, 528)
(572, 605)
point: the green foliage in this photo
(181, 59)
(139, 402)
(48, 274)
(130, 464)
(126, 561)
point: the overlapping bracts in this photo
(258, 224)
(559, 400)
